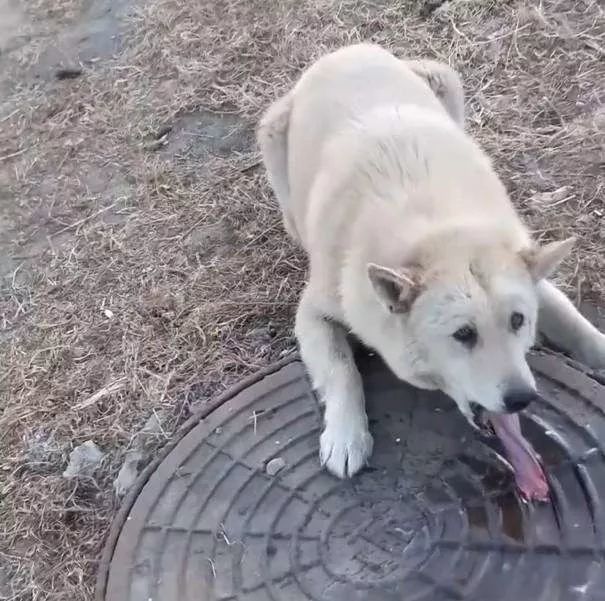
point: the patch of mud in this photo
(97, 35)
(202, 134)
(60, 50)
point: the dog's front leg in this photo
(346, 443)
(567, 328)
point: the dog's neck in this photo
(423, 246)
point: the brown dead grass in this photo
(161, 288)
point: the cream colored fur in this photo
(410, 236)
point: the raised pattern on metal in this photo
(435, 517)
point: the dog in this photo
(414, 246)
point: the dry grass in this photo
(153, 281)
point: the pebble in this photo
(128, 473)
(83, 460)
(134, 456)
(274, 466)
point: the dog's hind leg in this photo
(445, 83)
(346, 443)
(272, 139)
(566, 328)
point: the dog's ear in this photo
(542, 261)
(396, 289)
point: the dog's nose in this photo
(517, 400)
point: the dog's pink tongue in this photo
(526, 465)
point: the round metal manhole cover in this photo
(239, 509)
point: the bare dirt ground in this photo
(143, 263)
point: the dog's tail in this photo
(272, 136)
(445, 83)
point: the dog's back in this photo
(359, 112)
(330, 97)
(334, 93)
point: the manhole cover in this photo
(435, 517)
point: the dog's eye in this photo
(467, 335)
(516, 321)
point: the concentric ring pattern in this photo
(435, 517)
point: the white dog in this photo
(413, 243)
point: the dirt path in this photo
(143, 262)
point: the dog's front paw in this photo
(592, 352)
(345, 446)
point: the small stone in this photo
(128, 473)
(274, 466)
(83, 460)
(133, 458)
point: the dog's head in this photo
(464, 316)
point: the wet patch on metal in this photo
(239, 509)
